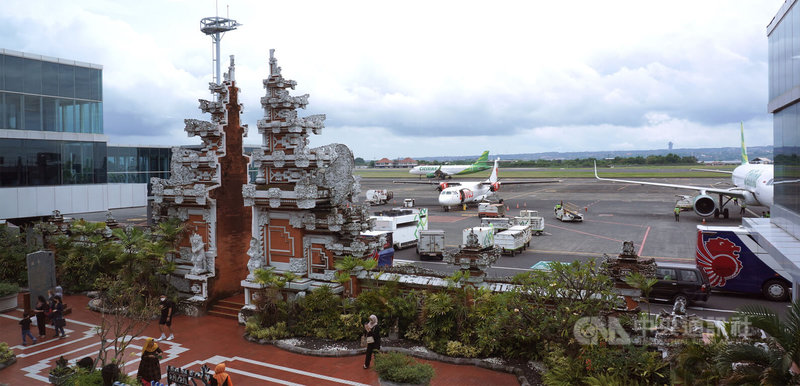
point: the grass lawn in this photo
(681, 171)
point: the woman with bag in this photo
(372, 336)
(58, 317)
(149, 366)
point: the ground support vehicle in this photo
(532, 219)
(488, 209)
(734, 262)
(510, 241)
(404, 224)
(431, 244)
(527, 234)
(379, 196)
(385, 254)
(678, 282)
(484, 236)
(408, 203)
(568, 212)
(498, 223)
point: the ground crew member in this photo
(677, 213)
(743, 207)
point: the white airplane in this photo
(447, 171)
(753, 185)
(468, 192)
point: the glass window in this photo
(690, 276)
(12, 114)
(66, 81)
(96, 84)
(100, 169)
(83, 77)
(33, 113)
(83, 117)
(33, 76)
(12, 171)
(49, 78)
(42, 161)
(97, 117)
(2, 71)
(65, 115)
(49, 122)
(14, 73)
(665, 274)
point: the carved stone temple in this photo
(297, 215)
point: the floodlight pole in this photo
(216, 27)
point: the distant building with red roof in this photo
(406, 163)
(384, 163)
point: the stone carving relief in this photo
(198, 254)
(256, 259)
(249, 194)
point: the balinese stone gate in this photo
(304, 215)
(204, 190)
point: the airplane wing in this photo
(424, 182)
(713, 171)
(732, 192)
(504, 182)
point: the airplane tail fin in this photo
(493, 177)
(744, 148)
(483, 159)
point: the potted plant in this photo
(62, 373)
(396, 369)
(7, 357)
(8, 296)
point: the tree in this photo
(13, 252)
(643, 283)
(124, 314)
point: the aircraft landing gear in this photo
(446, 208)
(725, 213)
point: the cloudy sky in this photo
(426, 78)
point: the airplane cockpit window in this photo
(770, 181)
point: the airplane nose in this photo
(447, 200)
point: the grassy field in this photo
(616, 172)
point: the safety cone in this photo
(517, 205)
(586, 209)
(525, 204)
(508, 209)
(704, 221)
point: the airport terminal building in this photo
(53, 154)
(780, 235)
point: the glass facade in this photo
(137, 164)
(784, 76)
(46, 96)
(31, 162)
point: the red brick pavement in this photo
(207, 340)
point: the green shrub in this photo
(13, 253)
(317, 314)
(457, 349)
(278, 331)
(8, 289)
(401, 368)
(6, 353)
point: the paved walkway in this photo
(207, 340)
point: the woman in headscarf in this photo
(373, 338)
(222, 377)
(149, 367)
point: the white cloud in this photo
(432, 78)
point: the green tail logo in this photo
(483, 159)
(744, 149)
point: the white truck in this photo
(483, 235)
(510, 241)
(567, 212)
(498, 223)
(430, 244)
(532, 219)
(379, 196)
(527, 234)
(404, 224)
(488, 209)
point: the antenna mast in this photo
(216, 27)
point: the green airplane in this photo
(447, 171)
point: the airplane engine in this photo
(495, 187)
(704, 205)
(750, 198)
(442, 186)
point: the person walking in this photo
(58, 317)
(25, 323)
(42, 309)
(221, 376)
(149, 366)
(373, 334)
(167, 311)
(677, 213)
(742, 208)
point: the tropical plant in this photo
(400, 368)
(13, 252)
(6, 353)
(7, 289)
(642, 283)
(767, 361)
(84, 255)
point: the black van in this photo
(676, 281)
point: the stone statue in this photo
(472, 240)
(255, 258)
(198, 254)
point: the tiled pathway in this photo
(208, 340)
